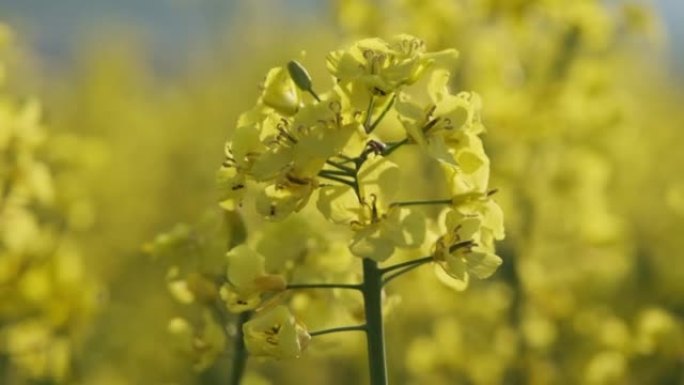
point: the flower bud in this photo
(299, 75)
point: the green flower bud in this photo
(300, 75)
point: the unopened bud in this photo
(299, 75)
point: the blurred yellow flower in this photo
(247, 280)
(275, 333)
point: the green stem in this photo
(382, 114)
(372, 298)
(240, 352)
(323, 286)
(369, 113)
(341, 166)
(462, 245)
(337, 173)
(412, 262)
(338, 329)
(311, 91)
(335, 178)
(404, 271)
(346, 158)
(6, 192)
(423, 203)
(355, 184)
(394, 146)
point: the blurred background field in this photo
(582, 103)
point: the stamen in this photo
(462, 245)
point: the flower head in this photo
(448, 130)
(379, 228)
(383, 67)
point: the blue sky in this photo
(52, 27)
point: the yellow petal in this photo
(280, 92)
(244, 266)
(338, 204)
(378, 178)
(482, 263)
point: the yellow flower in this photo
(322, 130)
(284, 154)
(36, 350)
(378, 227)
(447, 128)
(471, 173)
(231, 185)
(385, 66)
(461, 111)
(468, 246)
(399, 227)
(291, 164)
(377, 185)
(193, 287)
(275, 333)
(277, 201)
(247, 280)
(203, 343)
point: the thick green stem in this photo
(240, 352)
(372, 298)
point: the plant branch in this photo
(313, 93)
(341, 166)
(369, 113)
(240, 352)
(400, 273)
(337, 172)
(423, 203)
(335, 178)
(382, 114)
(346, 158)
(394, 146)
(338, 330)
(323, 286)
(401, 265)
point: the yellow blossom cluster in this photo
(46, 296)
